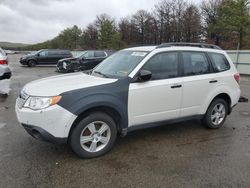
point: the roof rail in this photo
(199, 45)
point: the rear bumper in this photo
(41, 134)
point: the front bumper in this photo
(6, 75)
(52, 123)
(41, 134)
(23, 61)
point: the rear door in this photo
(198, 81)
(158, 99)
(55, 55)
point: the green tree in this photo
(234, 17)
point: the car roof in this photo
(174, 48)
(142, 48)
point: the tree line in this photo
(221, 22)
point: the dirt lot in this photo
(177, 155)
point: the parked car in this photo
(5, 73)
(132, 89)
(86, 61)
(45, 57)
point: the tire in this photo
(94, 143)
(216, 114)
(31, 63)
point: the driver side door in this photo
(158, 99)
(43, 57)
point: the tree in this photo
(234, 17)
(192, 29)
(141, 20)
(225, 19)
(89, 37)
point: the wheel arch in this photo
(111, 111)
(225, 97)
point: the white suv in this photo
(132, 89)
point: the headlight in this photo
(64, 65)
(38, 103)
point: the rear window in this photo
(219, 61)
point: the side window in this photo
(43, 53)
(195, 63)
(52, 53)
(163, 65)
(89, 54)
(100, 54)
(219, 61)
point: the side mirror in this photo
(144, 75)
(38, 55)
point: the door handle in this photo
(213, 81)
(176, 86)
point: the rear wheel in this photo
(216, 114)
(94, 136)
(31, 63)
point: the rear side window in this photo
(163, 65)
(52, 53)
(195, 63)
(100, 54)
(219, 61)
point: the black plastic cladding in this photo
(113, 95)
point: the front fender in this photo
(113, 95)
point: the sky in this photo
(33, 21)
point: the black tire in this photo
(207, 120)
(74, 139)
(31, 63)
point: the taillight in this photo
(3, 62)
(237, 77)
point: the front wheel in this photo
(31, 63)
(94, 136)
(216, 114)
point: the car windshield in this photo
(120, 64)
(35, 52)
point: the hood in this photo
(68, 59)
(55, 85)
(28, 55)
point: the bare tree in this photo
(141, 22)
(191, 22)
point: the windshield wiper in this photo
(100, 73)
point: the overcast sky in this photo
(32, 21)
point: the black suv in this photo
(45, 57)
(85, 61)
